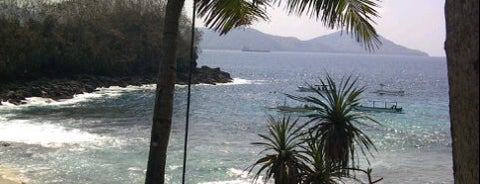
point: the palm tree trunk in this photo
(462, 47)
(162, 113)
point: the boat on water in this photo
(381, 106)
(383, 91)
(316, 87)
(390, 92)
(292, 109)
(298, 109)
(246, 49)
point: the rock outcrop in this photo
(16, 92)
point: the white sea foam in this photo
(240, 81)
(110, 92)
(235, 81)
(47, 135)
(228, 182)
(7, 104)
(243, 177)
(238, 173)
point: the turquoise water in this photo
(103, 137)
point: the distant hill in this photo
(334, 43)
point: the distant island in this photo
(246, 49)
(252, 39)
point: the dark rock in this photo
(5, 144)
(36, 91)
(66, 88)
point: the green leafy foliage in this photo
(354, 16)
(337, 122)
(224, 15)
(283, 140)
(316, 168)
(322, 150)
(65, 38)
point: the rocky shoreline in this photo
(66, 88)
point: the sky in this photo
(415, 24)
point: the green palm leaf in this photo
(284, 161)
(224, 15)
(337, 123)
(316, 169)
(355, 16)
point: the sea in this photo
(103, 137)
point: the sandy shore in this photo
(8, 177)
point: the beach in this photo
(8, 177)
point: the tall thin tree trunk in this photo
(462, 61)
(162, 113)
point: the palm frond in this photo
(355, 16)
(222, 15)
(284, 160)
(337, 123)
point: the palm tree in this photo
(316, 169)
(319, 170)
(284, 139)
(163, 109)
(337, 122)
(294, 154)
(222, 15)
(354, 15)
(461, 46)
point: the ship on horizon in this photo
(246, 49)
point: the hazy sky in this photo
(416, 24)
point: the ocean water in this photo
(103, 137)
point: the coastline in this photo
(66, 88)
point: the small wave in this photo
(242, 177)
(110, 92)
(47, 135)
(238, 173)
(228, 182)
(5, 104)
(39, 101)
(240, 81)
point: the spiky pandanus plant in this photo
(337, 123)
(296, 156)
(283, 161)
(316, 169)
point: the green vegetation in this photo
(322, 150)
(65, 38)
(337, 122)
(284, 140)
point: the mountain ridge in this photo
(332, 43)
